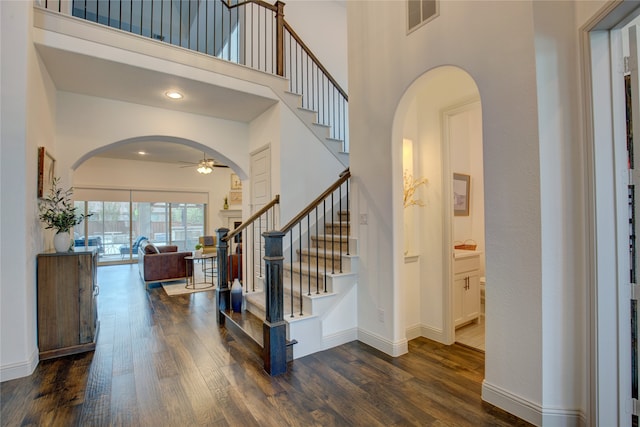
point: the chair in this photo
(124, 249)
(208, 244)
(90, 241)
(234, 264)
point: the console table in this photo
(67, 302)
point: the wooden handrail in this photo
(345, 175)
(258, 2)
(315, 60)
(252, 218)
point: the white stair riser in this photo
(335, 229)
(332, 265)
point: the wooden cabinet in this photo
(67, 302)
(466, 288)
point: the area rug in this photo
(177, 287)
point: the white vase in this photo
(62, 241)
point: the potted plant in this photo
(198, 251)
(58, 213)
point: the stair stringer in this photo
(333, 320)
(328, 320)
(309, 118)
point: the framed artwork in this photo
(235, 197)
(461, 187)
(46, 171)
(236, 184)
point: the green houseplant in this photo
(58, 213)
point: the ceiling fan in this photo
(204, 166)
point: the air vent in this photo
(419, 12)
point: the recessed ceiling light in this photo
(142, 153)
(173, 94)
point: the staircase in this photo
(252, 33)
(319, 306)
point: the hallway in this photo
(162, 361)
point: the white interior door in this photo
(260, 196)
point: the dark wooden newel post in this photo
(274, 328)
(223, 292)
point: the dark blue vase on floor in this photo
(236, 296)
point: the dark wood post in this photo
(223, 292)
(274, 328)
(280, 38)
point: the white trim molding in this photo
(339, 338)
(21, 369)
(531, 411)
(426, 331)
(394, 349)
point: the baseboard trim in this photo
(413, 332)
(20, 369)
(563, 418)
(432, 334)
(425, 331)
(394, 349)
(512, 403)
(529, 411)
(339, 338)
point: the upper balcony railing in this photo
(250, 32)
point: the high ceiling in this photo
(78, 73)
(156, 151)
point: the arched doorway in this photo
(438, 132)
(151, 188)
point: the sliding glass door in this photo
(116, 228)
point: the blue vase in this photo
(236, 296)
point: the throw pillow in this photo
(151, 249)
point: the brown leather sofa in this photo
(161, 263)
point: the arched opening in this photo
(150, 188)
(438, 133)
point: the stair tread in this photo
(322, 253)
(258, 296)
(257, 300)
(305, 269)
(328, 237)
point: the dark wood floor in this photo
(163, 361)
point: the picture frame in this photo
(235, 197)
(461, 194)
(46, 171)
(236, 183)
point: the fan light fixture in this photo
(205, 166)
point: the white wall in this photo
(322, 25)
(27, 116)
(86, 125)
(307, 168)
(470, 35)
(99, 172)
(564, 320)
